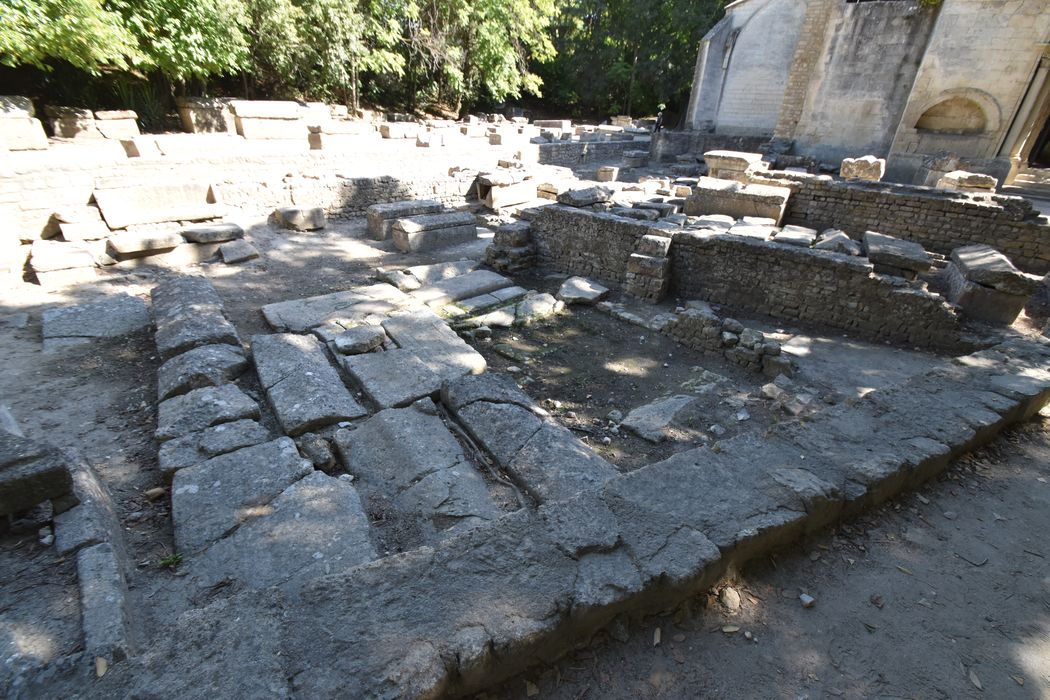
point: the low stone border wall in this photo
(938, 219)
(575, 153)
(527, 586)
(789, 282)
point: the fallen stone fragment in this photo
(887, 250)
(986, 266)
(580, 290)
(202, 408)
(837, 241)
(212, 233)
(585, 197)
(304, 389)
(207, 365)
(796, 235)
(650, 422)
(301, 218)
(31, 472)
(135, 244)
(212, 498)
(238, 251)
(359, 339)
(807, 600)
(536, 307)
(315, 527)
(194, 448)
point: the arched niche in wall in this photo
(961, 112)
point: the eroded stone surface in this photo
(211, 499)
(197, 447)
(580, 290)
(203, 408)
(207, 365)
(394, 378)
(651, 421)
(117, 316)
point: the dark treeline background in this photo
(587, 59)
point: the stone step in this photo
(472, 284)
(409, 459)
(355, 305)
(381, 217)
(305, 391)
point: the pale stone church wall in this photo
(982, 50)
(861, 78)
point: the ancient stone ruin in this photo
(338, 383)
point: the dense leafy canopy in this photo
(590, 57)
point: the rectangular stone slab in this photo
(116, 316)
(987, 266)
(381, 217)
(133, 243)
(887, 250)
(300, 315)
(465, 286)
(422, 241)
(432, 222)
(190, 450)
(394, 378)
(209, 500)
(203, 408)
(158, 203)
(31, 472)
(305, 390)
(410, 458)
(316, 526)
(437, 345)
(207, 365)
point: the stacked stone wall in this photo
(809, 285)
(571, 154)
(938, 220)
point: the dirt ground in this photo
(992, 618)
(942, 593)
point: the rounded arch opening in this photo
(955, 115)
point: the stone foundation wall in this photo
(257, 185)
(576, 153)
(809, 285)
(588, 243)
(938, 220)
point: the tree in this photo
(82, 33)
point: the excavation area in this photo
(276, 426)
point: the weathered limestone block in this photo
(238, 251)
(72, 123)
(513, 235)
(398, 130)
(536, 307)
(654, 246)
(316, 526)
(559, 124)
(134, 244)
(353, 306)
(410, 459)
(202, 408)
(16, 107)
(585, 197)
(608, 173)
(49, 256)
(580, 290)
(104, 608)
(981, 302)
(800, 236)
(868, 168)
(200, 446)
(212, 233)
(22, 135)
(84, 230)
(896, 253)
(382, 217)
(732, 165)
(636, 213)
(651, 421)
(433, 231)
(212, 498)
(189, 313)
(301, 218)
(208, 365)
(967, 182)
(206, 115)
(713, 196)
(31, 472)
(117, 124)
(838, 241)
(393, 379)
(986, 266)
(304, 389)
(715, 222)
(269, 119)
(360, 339)
(472, 284)
(158, 203)
(438, 346)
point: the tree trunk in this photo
(630, 86)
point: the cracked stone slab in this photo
(438, 346)
(411, 459)
(300, 315)
(501, 428)
(207, 365)
(103, 601)
(465, 286)
(203, 408)
(189, 313)
(580, 290)
(650, 422)
(553, 465)
(490, 387)
(484, 301)
(305, 391)
(431, 274)
(316, 526)
(190, 450)
(238, 251)
(986, 266)
(117, 316)
(394, 378)
(212, 498)
(212, 233)
(887, 250)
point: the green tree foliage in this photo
(82, 33)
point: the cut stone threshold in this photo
(478, 608)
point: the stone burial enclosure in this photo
(504, 539)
